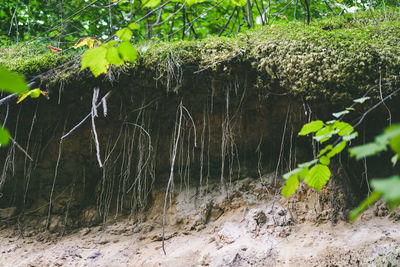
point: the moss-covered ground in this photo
(333, 58)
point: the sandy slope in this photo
(257, 232)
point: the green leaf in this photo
(133, 26)
(124, 34)
(95, 60)
(324, 160)
(308, 163)
(303, 173)
(366, 150)
(111, 43)
(127, 51)
(337, 149)
(151, 3)
(341, 113)
(12, 82)
(4, 136)
(350, 136)
(325, 130)
(364, 205)
(395, 144)
(325, 133)
(389, 187)
(388, 134)
(324, 150)
(311, 127)
(291, 186)
(113, 57)
(326, 137)
(239, 2)
(318, 176)
(192, 2)
(361, 100)
(292, 172)
(35, 93)
(343, 127)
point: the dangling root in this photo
(54, 179)
(177, 133)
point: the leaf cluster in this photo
(98, 59)
(316, 173)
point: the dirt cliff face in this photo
(213, 130)
(217, 134)
(216, 110)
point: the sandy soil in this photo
(255, 233)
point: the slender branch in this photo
(374, 107)
(228, 21)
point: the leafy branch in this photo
(316, 173)
(116, 52)
(389, 188)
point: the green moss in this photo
(338, 58)
(31, 59)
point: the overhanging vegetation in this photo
(337, 58)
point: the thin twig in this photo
(374, 107)
(227, 22)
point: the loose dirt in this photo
(255, 229)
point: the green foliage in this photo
(125, 34)
(95, 60)
(364, 205)
(319, 174)
(391, 136)
(239, 2)
(63, 22)
(98, 59)
(311, 127)
(366, 150)
(291, 186)
(361, 100)
(389, 188)
(12, 83)
(34, 93)
(127, 51)
(151, 3)
(4, 136)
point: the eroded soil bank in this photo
(215, 124)
(249, 226)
